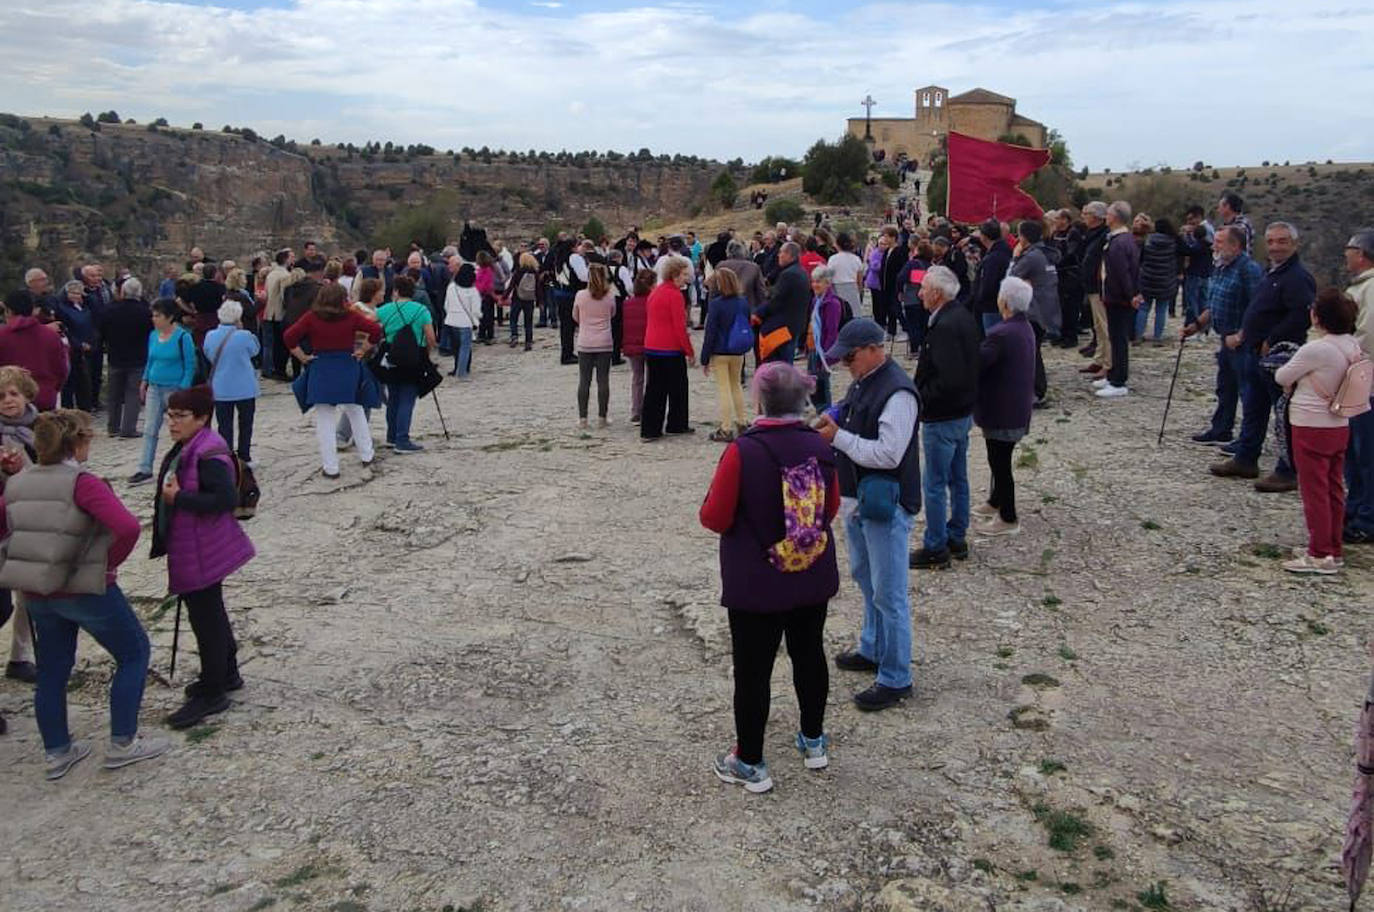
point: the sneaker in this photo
(22, 671)
(958, 549)
(1112, 392)
(1353, 536)
(814, 751)
(1322, 566)
(720, 435)
(196, 689)
(59, 764)
(1090, 369)
(1234, 468)
(880, 696)
(141, 748)
(686, 430)
(1210, 437)
(984, 511)
(197, 709)
(1228, 449)
(342, 445)
(754, 777)
(408, 447)
(853, 660)
(603, 423)
(1100, 384)
(925, 559)
(1338, 561)
(999, 526)
(1274, 483)
(140, 478)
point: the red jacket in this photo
(667, 322)
(634, 318)
(24, 342)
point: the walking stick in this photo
(434, 395)
(176, 635)
(1178, 359)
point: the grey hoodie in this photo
(1037, 266)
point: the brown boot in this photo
(1274, 483)
(1230, 468)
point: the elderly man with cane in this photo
(873, 432)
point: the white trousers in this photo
(327, 425)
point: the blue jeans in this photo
(785, 352)
(1257, 394)
(152, 423)
(400, 406)
(460, 343)
(1142, 316)
(268, 338)
(1228, 391)
(990, 320)
(111, 623)
(944, 447)
(820, 397)
(1359, 475)
(878, 562)
(1194, 292)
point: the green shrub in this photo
(783, 210)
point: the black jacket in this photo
(125, 327)
(947, 372)
(1094, 245)
(789, 303)
(992, 269)
(1278, 312)
(1159, 267)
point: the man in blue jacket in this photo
(1278, 313)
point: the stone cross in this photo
(868, 104)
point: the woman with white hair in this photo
(1006, 392)
(231, 350)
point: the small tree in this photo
(724, 190)
(89, 122)
(783, 210)
(594, 228)
(834, 172)
(197, 126)
(109, 117)
(160, 122)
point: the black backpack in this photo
(403, 351)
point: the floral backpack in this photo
(803, 511)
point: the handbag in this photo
(878, 496)
(772, 341)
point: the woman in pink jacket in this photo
(1319, 435)
(592, 311)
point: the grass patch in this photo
(1066, 830)
(501, 446)
(1045, 557)
(318, 755)
(162, 608)
(1070, 889)
(1267, 551)
(1050, 767)
(1061, 421)
(222, 889)
(1067, 654)
(1027, 876)
(1079, 472)
(1317, 627)
(348, 905)
(1051, 601)
(1039, 679)
(1048, 498)
(982, 864)
(1103, 853)
(201, 733)
(308, 871)
(1005, 652)
(1150, 525)
(1154, 897)
(1019, 719)
(1029, 459)
(265, 903)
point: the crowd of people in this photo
(973, 305)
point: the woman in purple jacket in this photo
(826, 308)
(1006, 391)
(195, 527)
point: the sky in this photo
(1127, 84)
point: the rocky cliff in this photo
(142, 197)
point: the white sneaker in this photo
(1338, 562)
(1322, 566)
(1112, 392)
(141, 748)
(59, 764)
(1099, 384)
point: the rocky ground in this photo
(492, 676)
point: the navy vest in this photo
(863, 406)
(749, 582)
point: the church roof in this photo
(1018, 121)
(982, 96)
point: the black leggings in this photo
(214, 638)
(1002, 494)
(664, 391)
(755, 637)
(586, 363)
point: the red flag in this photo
(983, 179)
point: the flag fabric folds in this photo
(984, 178)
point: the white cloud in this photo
(1169, 81)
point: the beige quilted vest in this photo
(53, 545)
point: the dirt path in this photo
(493, 676)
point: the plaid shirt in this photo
(1230, 292)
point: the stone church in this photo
(978, 112)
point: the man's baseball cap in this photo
(1363, 241)
(856, 333)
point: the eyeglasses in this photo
(177, 415)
